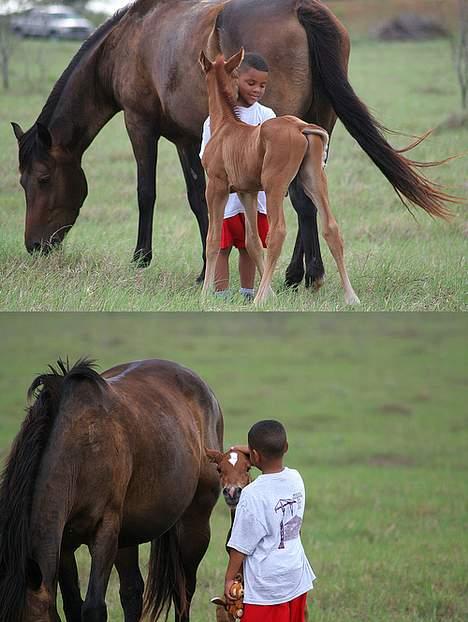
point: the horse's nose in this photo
(34, 247)
(232, 493)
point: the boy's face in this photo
(252, 84)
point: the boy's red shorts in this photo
(233, 233)
(294, 611)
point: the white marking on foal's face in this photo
(233, 458)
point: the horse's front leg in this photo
(307, 242)
(131, 583)
(195, 182)
(144, 139)
(103, 551)
(217, 192)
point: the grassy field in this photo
(395, 262)
(374, 410)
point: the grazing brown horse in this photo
(144, 62)
(109, 461)
(247, 159)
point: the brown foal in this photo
(246, 159)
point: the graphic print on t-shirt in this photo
(292, 528)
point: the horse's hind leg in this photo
(194, 532)
(70, 586)
(195, 182)
(307, 242)
(131, 583)
(314, 182)
(103, 551)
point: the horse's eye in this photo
(43, 179)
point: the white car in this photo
(53, 21)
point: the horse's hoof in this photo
(142, 259)
(352, 299)
(293, 279)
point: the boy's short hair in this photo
(268, 437)
(254, 61)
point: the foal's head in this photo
(233, 468)
(222, 76)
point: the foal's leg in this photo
(103, 551)
(131, 583)
(275, 239)
(70, 586)
(252, 239)
(195, 182)
(315, 185)
(217, 192)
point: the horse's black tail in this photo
(328, 56)
(166, 578)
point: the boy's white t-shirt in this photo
(267, 530)
(253, 115)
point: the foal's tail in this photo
(166, 578)
(328, 54)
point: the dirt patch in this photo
(390, 460)
(395, 408)
(361, 15)
(409, 27)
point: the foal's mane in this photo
(223, 87)
(28, 143)
(18, 480)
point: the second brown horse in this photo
(109, 461)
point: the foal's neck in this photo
(221, 104)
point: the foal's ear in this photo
(234, 62)
(204, 62)
(17, 130)
(214, 455)
(218, 601)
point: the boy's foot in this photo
(247, 293)
(224, 294)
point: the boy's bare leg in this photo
(246, 269)
(222, 270)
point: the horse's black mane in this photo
(18, 480)
(28, 143)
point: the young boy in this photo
(265, 536)
(253, 77)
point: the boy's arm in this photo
(236, 559)
(206, 135)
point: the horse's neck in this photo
(82, 109)
(221, 112)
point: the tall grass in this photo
(396, 262)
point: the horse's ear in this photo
(218, 601)
(33, 575)
(214, 455)
(44, 135)
(17, 130)
(234, 62)
(204, 62)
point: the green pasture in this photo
(374, 409)
(396, 262)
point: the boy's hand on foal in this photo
(227, 591)
(244, 449)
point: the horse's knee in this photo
(94, 612)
